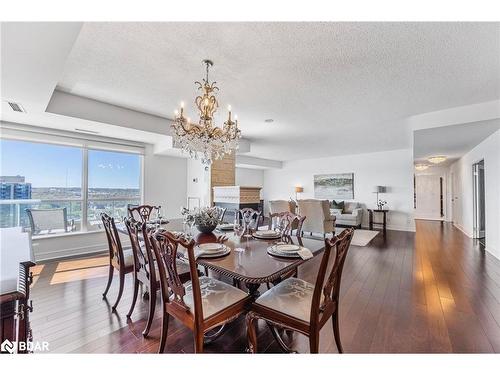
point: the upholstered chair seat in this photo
(128, 257)
(291, 296)
(215, 295)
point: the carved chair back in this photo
(326, 293)
(256, 216)
(222, 213)
(165, 247)
(114, 243)
(141, 213)
(143, 256)
(287, 222)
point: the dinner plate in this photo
(285, 248)
(272, 251)
(226, 227)
(211, 247)
(267, 234)
(222, 252)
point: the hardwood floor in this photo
(434, 291)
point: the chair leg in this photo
(110, 279)
(134, 298)
(151, 313)
(120, 291)
(251, 334)
(336, 331)
(314, 343)
(198, 341)
(164, 331)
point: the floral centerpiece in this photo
(206, 219)
(381, 203)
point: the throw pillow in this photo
(336, 211)
(338, 205)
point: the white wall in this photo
(165, 180)
(198, 182)
(250, 177)
(489, 150)
(393, 169)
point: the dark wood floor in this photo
(434, 291)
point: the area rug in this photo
(361, 237)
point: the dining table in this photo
(248, 262)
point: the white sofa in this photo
(351, 216)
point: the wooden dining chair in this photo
(297, 305)
(254, 214)
(145, 272)
(201, 304)
(288, 222)
(120, 259)
(142, 212)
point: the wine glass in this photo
(247, 218)
(237, 227)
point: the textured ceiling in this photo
(331, 88)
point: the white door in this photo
(428, 194)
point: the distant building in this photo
(14, 187)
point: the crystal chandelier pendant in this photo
(205, 138)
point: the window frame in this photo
(84, 144)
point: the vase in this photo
(206, 228)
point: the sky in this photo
(60, 166)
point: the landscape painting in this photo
(334, 186)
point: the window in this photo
(46, 176)
(114, 181)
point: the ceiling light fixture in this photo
(205, 137)
(437, 159)
(421, 167)
(269, 120)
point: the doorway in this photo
(429, 200)
(479, 217)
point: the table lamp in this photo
(379, 189)
(298, 189)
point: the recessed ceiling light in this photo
(437, 159)
(269, 120)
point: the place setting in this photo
(285, 250)
(267, 234)
(211, 250)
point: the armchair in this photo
(319, 219)
(49, 221)
(351, 216)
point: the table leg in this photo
(253, 290)
(370, 214)
(385, 222)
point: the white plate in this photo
(272, 250)
(267, 232)
(211, 247)
(287, 248)
(226, 226)
(224, 251)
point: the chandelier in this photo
(205, 138)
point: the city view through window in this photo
(47, 179)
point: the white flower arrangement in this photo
(205, 216)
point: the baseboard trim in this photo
(462, 229)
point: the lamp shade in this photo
(379, 189)
(299, 189)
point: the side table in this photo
(384, 218)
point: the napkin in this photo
(305, 253)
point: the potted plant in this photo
(206, 219)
